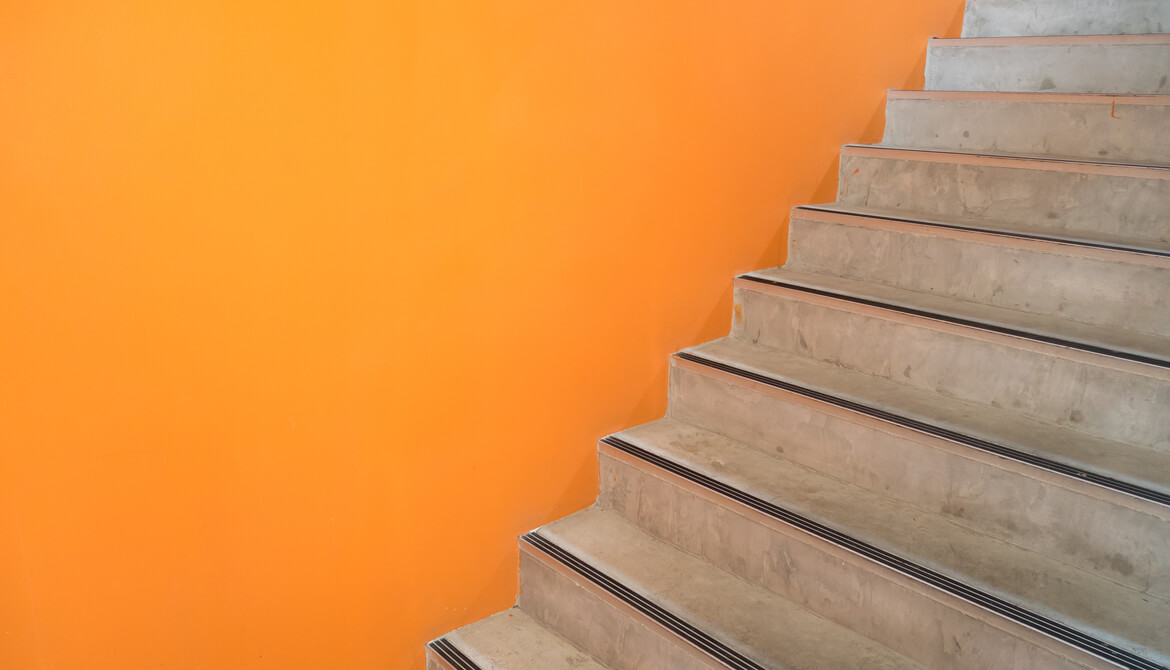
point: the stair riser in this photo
(436, 663)
(597, 623)
(1009, 18)
(1030, 277)
(1081, 68)
(1063, 202)
(1125, 132)
(870, 599)
(1043, 382)
(1015, 502)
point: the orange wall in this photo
(309, 308)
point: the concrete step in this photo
(1100, 298)
(1057, 197)
(635, 601)
(814, 393)
(509, 640)
(800, 413)
(1102, 396)
(1121, 64)
(1007, 18)
(697, 511)
(1125, 128)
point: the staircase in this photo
(939, 437)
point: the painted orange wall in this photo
(309, 308)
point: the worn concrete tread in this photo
(1113, 338)
(1144, 467)
(512, 640)
(1044, 584)
(755, 622)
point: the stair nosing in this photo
(452, 655)
(1147, 99)
(933, 578)
(1049, 163)
(1055, 239)
(956, 436)
(1045, 338)
(1108, 39)
(667, 620)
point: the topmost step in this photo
(1015, 18)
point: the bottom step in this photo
(510, 640)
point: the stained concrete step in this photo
(1121, 64)
(509, 640)
(633, 601)
(1097, 298)
(1007, 18)
(686, 510)
(1122, 128)
(1102, 396)
(1070, 198)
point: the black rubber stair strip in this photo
(937, 431)
(972, 227)
(1004, 608)
(982, 325)
(451, 654)
(696, 637)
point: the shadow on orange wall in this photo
(309, 309)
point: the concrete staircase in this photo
(939, 437)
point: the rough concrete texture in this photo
(1068, 284)
(1126, 129)
(1059, 198)
(512, 640)
(1118, 538)
(1095, 394)
(1109, 66)
(883, 605)
(1007, 18)
(770, 630)
(608, 630)
(1127, 616)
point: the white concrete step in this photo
(1076, 199)
(634, 601)
(509, 640)
(1007, 18)
(1119, 128)
(1121, 64)
(1103, 396)
(699, 512)
(1100, 298)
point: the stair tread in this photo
(512, 640)
(1093, 604)
(1120, 242)
(1040, 325)
(755, 622)
(1144, 467)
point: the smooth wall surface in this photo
(309, 309)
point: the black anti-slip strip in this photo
(662, 617)
(933, 578)
(1039, 337)
(937, 431)
(990, 231)
(451, 654)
